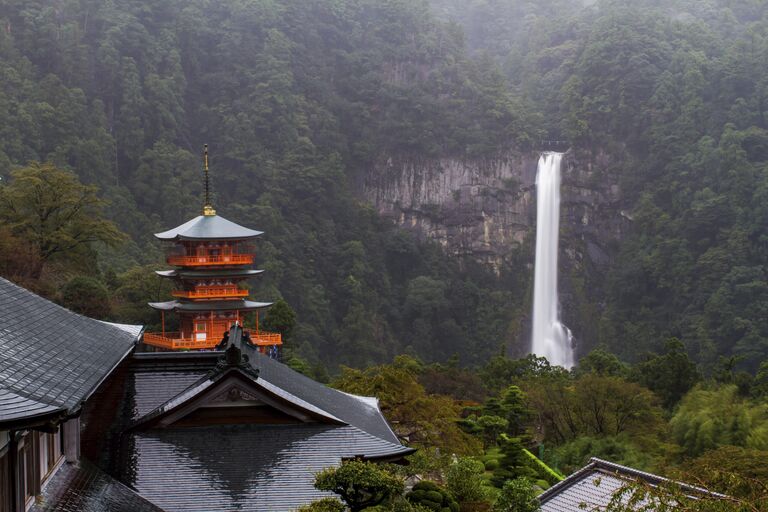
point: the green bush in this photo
(517, 496)
(432, 497)
(324, 505)
(464, 480)
(491, 464)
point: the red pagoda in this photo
(212, 257)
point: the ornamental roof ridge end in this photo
(233, 357)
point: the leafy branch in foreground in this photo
(674, 497)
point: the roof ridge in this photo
(647, 476)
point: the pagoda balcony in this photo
(213, 292)
(174, 340)
(206, 260)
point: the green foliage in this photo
(517, 495)
(59, 217)
(432, 497)
(464, 480)
(502, 371)
(595, 406)
(360, 484)
(280, 318)
(514, 462)
(134, 288)
(621, 449)
(87, 296)
(711, 417)
(670, 375)
(324, 505)
(735, 471)
(601, 362)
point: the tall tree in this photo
(50, 209)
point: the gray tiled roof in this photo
(242, 467)
(158, 377)
(218, 273)
(208, 227)
(82, 487)
(210, 305)
(358, 411)
(593, 486)
(51, 358)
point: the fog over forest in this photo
(389, 151)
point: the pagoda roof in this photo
(210, 305)
(202, 274)
(52, 359)
(208, 227)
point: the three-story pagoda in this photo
(212, 256)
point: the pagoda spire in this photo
(207, 207)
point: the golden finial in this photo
(207, 207)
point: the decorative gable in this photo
(233, 398)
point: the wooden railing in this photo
(212, 292)
(174, 341)
(262, 338)
(227, 259)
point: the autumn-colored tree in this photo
(419, 418)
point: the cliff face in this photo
(485, 209)
(473, 208)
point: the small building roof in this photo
(82, 487)
(593, 486)
(208, 227)
(52, 359)
(210, 305)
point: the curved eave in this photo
(210, 227)
(202, 274)
(213, 305)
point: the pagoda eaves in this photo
(212, 256)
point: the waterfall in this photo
(550, 339)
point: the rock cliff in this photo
(482, 208)
(485, 209)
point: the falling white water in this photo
(551, 339)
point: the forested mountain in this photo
(296, 98)
(292, 97)
(675, 93)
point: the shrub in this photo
(432, 497)
(324, 505)
(517, 496)
(464, 480)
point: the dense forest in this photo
(105, 107)
(296, 99)
(293, 99)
